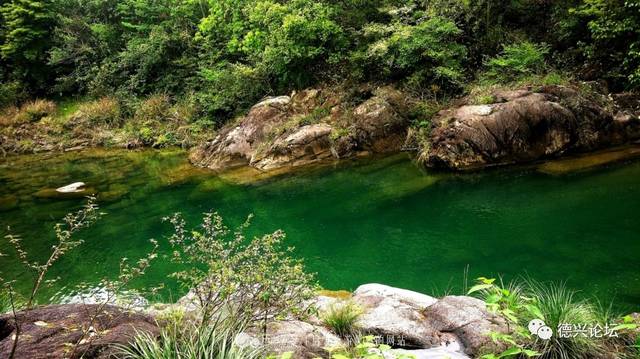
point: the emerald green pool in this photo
(370, 220)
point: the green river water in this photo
(371, 220)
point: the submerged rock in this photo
(527, 125)
(589, 161)
(52, 331)
(8, 203)
(50, 193)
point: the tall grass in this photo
(190, 342)
(342, 319)
(560, 305)
(103, 111)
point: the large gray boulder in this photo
(527, 125)
(411, 320)
(309, 126)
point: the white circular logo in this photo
(545, 333)
(534, 325)
(537, 327)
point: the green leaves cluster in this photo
(521, 301)
(428, 52)
(517, 61)
(227, 54)
(234, 279)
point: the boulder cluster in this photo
(516, 126)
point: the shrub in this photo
(426, 54)
(343, 318)
(34, 111)
(11, 93)
(229, 88)
(234, 279)
(517, 61)
(154, 108)
(103, 111)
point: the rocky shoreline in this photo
(313, 126)
(454, 327)
(515, 126)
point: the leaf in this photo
(534, 310)
(339, 356)
(530, 353)
(510, 315)
(479, 287)
(509, 352)
(41, 324)
(486, 280)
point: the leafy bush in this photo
(236, 280)
(103, 111)
(343, 318)
(229, 88)
(282, 40)
(607, 33)
(427, 53)
(11, 93)
(517, 61)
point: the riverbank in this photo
(403, 324)
(507, 126)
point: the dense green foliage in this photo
(223, 55)
(554, 304)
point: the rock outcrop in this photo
(411, 320)
(307, 127)
(527, 125)
(65, 331)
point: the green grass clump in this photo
(342, 319)
(180, 341)
(520, 301)
(103, 111)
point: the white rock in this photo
(411, 298)
(278, 101)
(71, 188)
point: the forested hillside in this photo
(216, 58)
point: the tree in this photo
(26, 39)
